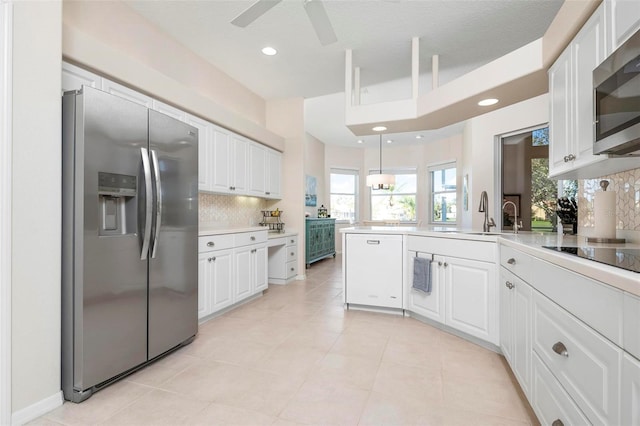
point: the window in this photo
(397, 202)
(443, 193)
(343, 187)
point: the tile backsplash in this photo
(230, 209)
(627, 188)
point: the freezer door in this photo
(173, 263)
(110, 279)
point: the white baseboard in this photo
(36, 410)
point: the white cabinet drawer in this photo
(598, 305)
(292, 253)
(292, 240)
(215, 242)
(585, 363)
(516, 262)
(246, 238)
(550, 401)
(292, 269)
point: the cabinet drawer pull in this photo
(210, 244)
(253, 238)
(557, 422)
(292, 254)
(511, 261)
(509, 285)
(373, 241)
(267, 193)
(292, 269)
(291, 241)
(560, 349)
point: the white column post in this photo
(415, 66)
(348, 83)
(356, 83)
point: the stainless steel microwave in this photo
(616, 99)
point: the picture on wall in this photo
(310, 191)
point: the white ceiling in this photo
(464, 33)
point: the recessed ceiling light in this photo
(360, 141)
(379, 129)
(419, 136)
(487, 102)
(269, 51)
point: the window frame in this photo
(356, 194)
(453, 164)
(395, 172)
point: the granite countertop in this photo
(531, 243)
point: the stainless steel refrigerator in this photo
(130, 226)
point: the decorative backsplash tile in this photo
(627, 188)
(230, 209)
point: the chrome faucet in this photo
(516, 225)
(484, 208)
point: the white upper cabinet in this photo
(204, 151)
(571, 97)
(126, 93)
(257, 170)
(273, 174)
(239, 160)
(624, 18)
(169, 110)
(73, 78)
(221, 160)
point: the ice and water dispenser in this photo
(117, 208)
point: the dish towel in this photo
(422, 274)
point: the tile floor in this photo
(294, 356)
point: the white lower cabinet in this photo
(231, 267)
(630, 394)
(463, 285)
(470, 297)
(515, 327)
(283, 259)
(429, 305)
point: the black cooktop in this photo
(628, 259)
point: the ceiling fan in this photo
(315, 11)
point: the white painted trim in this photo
(6, 19)
(38, 409)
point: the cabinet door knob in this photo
(292, 269)
(509, 285)
(511, 261)
(291, 241)
(439, 263)
(210, 244)
(557, 422)
(292, 253)
(446, 264)
(253, 238)
(560, 349)
(212, 259)
(571, 157)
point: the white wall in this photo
(314, 166)
(36, 203)
(479, 151)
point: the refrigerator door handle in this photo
(158, 182)
(146, 238)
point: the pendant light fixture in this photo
(380, 181)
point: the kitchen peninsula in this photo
(572, 356)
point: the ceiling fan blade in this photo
(254, 11)
(320, 21)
